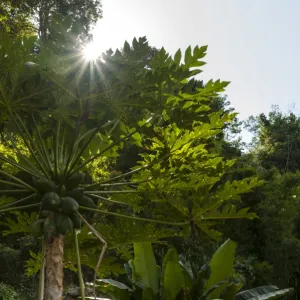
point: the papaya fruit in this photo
(77, 223)
(45, 186)
(74, 180)
(44, 213)
(76, 193)
(69, 205)
(87, 202)
(50, 201)
(37, 228)
(63, 223)
(63, 191)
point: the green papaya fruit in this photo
(45, 186)
(69, 205)
(76, 193)
(44, 213)
(50, 201)
(63, 223)
(87, 202)
(63, 191)
(74, 180)
(77, 223)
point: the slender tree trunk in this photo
(44, 12)
(54, 269)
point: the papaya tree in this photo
(61, 114)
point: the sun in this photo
(91, 52)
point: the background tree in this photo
(277, 140)
(269, 245)
(15, 19)
(28, 16)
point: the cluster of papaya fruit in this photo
(59, 205)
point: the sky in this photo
(253, 44)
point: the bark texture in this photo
(54, 269)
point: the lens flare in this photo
(91, 52)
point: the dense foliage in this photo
(133, 149)
(29, 17)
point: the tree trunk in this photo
(44, 12)
(54, 269)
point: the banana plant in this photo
(174, 279)
(265, 292)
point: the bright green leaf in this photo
(145, 265)
(221, 266)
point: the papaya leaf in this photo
(177, 57)
(20, 223)
(228, 212)
(192, 60)
(33, 264)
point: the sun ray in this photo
(91, 52)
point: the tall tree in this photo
(273, 239)
(277, 140)
(15, 19)
(28, 16)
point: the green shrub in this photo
(7, 292)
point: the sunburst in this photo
(91, 52)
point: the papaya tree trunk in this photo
(54, 268)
